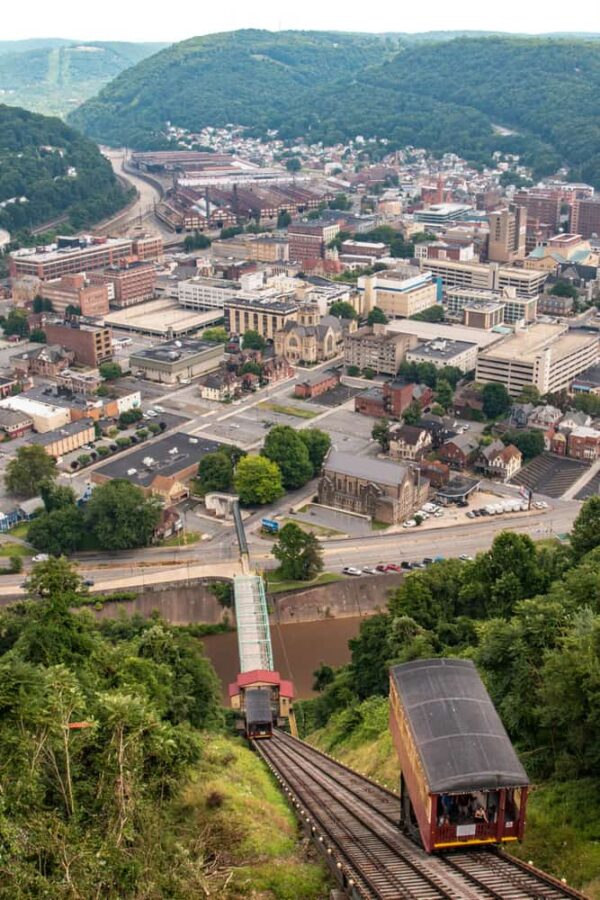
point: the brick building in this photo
(48, 360)
(314, 387)
(309, 240)
(459, 451)
(91, 344)
(78, 291)
(390, 400)
(128, 283)
(585, 218)
(372, 348)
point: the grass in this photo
(20, 531)
(234, 804)
(275, 584)
(180, 540)
(378, 526)
(288, 410)
(13, 549)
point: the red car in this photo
(388, 567)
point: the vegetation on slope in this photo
(54, 76)
(114, 780)
(529, 616)
(59, 172)
(442, 95)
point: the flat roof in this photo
(461, 741)
(527, 344)
(171, 351)
(442, 348)
(166, 457)
(158, 316)
(49, 437)
(51, 252)
(429, 331)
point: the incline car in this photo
(461, 780)
(259, 717)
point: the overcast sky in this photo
(131, 20)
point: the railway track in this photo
(354, 821)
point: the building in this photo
(128, 283)
(10, 385)
(177, 361)
(207, 293)
(318, 384)
(372, 249)
(44, 416)
(508, 228)
(587, 382)
(312, 338)
(69, 256)
(459, 451)
(373, 348)
(47, 360)
(400, 293)
(547, 356)
(85, 406)
(269, 249)
(483, 314)
(266, 315)
(409, 442)
(91, 344)
(498, 461)
(515, 308)
(553, 305)
(542, 206)
(585, 217)
(163, 468)
(69, 437)
(15, 423)
(392, 399)
(441, 352)
(584, 443)
(76, 291)
(441, 214)
(220, 386)
(385, 491)
(561, 250)
(490, 277)
(309, 240)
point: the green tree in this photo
(530, 443)
(317, 443)
(353, 371)
(284, 446)
(564, 289)
(585, 535)
(433, 313)
(215, 335)
(377, 317)
(28, 471)
(444, 394)
(257, 480)
(37, 336)
(129, 417)
(58, 532)
(496, 400)
(343, 310)
(299, 553)
(381, 433)
(110, 371)
(215, 472)
(293, 164)
(529, 394)
(120, 516)
(252, 340)
(283, 219)
(413, 413)
(56, 496)
(16, 323)
(323, 677)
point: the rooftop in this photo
(443, 349)
(49, 437)
(171, 351)
(167, 457)
(527, 344)
(365, 467)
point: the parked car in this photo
(405, 564)
(471, 514)
(465, 557)
(427, 560)
(410, 523)
(369, 570)
(392, 567)
(89, 582)
(351, 570)
(40, 557)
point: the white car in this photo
(159, 408)
(351, 570)
(40, 557)
(465, 557)
(370, 570)
(151, 413)
(410, 523)
(438, 514)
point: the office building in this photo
(177, 361)
(585, 218)
(309, 240)
(508, 229)
(400, 293)
(442, 352)
(548, 356)
(76, 291)
(442, 213)
(373, 348)
(91, 344)
(128, 283)
(543, 207)
(515, 308)
(483, 314)
(491, 277)
(206, 293)
(265, 314)
(69, 256)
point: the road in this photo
(143, 210)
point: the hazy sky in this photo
(131, 20)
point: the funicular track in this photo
(355, 822)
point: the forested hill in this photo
(248, 77)
(53, 76)
(48, 170)
(444, 95)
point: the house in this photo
(436, 472)
(15, 423)
(584, 443)
(385, 491)
(318, 384)
(277, 368)
(468, 400)
(170, 523)
(498, 461)
(459, 451)
(574, 419)
(409, 442)
(439, 430)
(544, 417)
(520, 413)
(48, 360)
(221, 386)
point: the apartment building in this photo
(91, 344)
(585, 217)
(548, 356)
(490, 277)
(309, 240)
(508, 230)
(372, 348)
(128, 283)
(515, 308)
(265, 314)
(400, 293)
(78, 291)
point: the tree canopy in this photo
(284, 446)
(299, 553)
(120, 516)
(29, 470)
(257, 480)
(496, 400)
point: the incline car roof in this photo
(461, 741)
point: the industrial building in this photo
(175, 361)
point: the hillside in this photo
(246, 77)
(444, 95)
(55, 75)
(58, 171)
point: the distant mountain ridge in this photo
(54, 75)
(329, 86)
